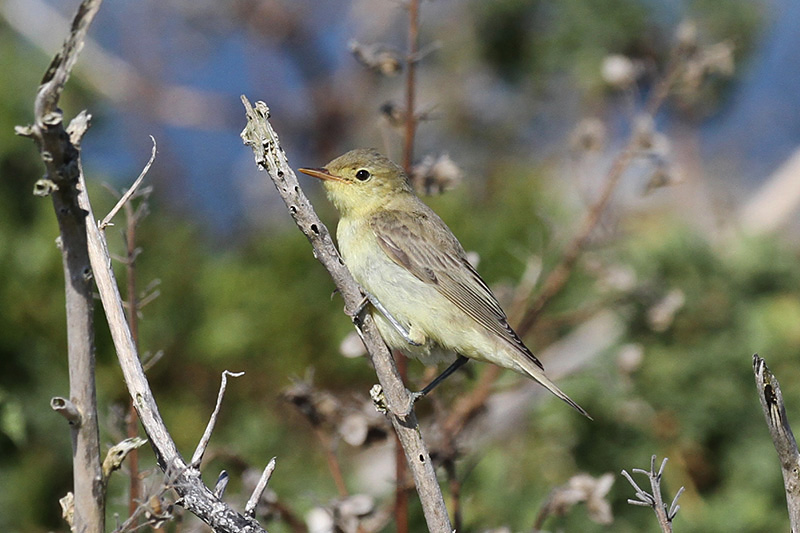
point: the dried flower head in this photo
(686, 36)
(392, 113)
(583, 488)
(435, 174)
(378, 57)
(588, 136)
(318, 406)
(664, 174)
(619, 71)
(363, 426)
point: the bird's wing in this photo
(437, 258)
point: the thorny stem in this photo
(60, 151)
(86, 244)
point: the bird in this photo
(425, 297)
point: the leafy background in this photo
(239, 289)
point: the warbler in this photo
(427, 300)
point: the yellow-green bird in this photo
(428, 301)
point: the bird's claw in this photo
(415, 396)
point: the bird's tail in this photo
(532, 370)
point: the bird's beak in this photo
(322, 173)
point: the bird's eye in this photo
(363, 175)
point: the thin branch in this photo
(261, 486)
(771, 398)
(134, 306)
(653, 499)
(67, 409)
(333, 461)
(130, 192)
(411, 77)
(259, 135)
(401, 471)
(203, 444)
(558, 277)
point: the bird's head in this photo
(362, 181)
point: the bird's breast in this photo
(409, 300)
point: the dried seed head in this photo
(435, 174)
(618, 71)
(377, 57)
(588, 136)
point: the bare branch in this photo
(203, 444)
(130, 192)
(67, 409)
(411, 76)
(771, 398)
(252, 502)
(259, 135)
(654, 499)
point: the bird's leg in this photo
(458, 363)
(358, 313)
(410, 338)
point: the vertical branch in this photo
(60, 151)
(401, 494)
(131, 221)
(771, 398)
(411, 80)
(89, 512)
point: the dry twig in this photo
(769, 393)
(654, 500)
(203, 444)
